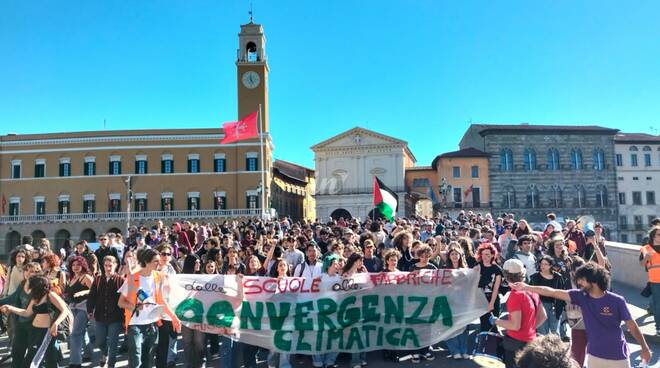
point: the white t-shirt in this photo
(150, 313)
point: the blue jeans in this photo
(655, 298)
(358, 358)
(107, 340)
(280, 360)
(322, 360)
(142, 340)
(194, 347)
(226, 351)
(458, 344)
(78, 337)
(550, 325)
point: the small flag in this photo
(385, 200)
(240, 130)
(468, 191)
(432, 195)
(4, 204)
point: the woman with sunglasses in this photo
(166, 348)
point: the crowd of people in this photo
(553, 278)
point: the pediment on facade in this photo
(357, 137)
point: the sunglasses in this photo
(103, 238)
(166, 254)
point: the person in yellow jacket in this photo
(143, 303)
(650, 259)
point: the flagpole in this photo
(263, 171)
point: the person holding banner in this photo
(41, 337)
(457, 345)
(280, 269)
(490, 281)
(354, 265)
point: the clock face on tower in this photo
(251, 79)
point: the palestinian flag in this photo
(385, 200)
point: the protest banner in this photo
(396, 311)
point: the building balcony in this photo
(633, 227)
(136, 216)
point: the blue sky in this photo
(416, 70)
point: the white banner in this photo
(396, 311)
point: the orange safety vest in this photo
(132, 287)
(653, 266)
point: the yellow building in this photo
(455, 180)
(75, 185)
(293, 190)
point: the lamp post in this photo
(128, 204)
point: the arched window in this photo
(506, 160)
(646, 148)
(553, 159)
(509, 197)
(530, 159)
(633, 148)
(599, 159)
(556, 200)
(580, 199)
(533, 197)
(601, 196)
(576, 159)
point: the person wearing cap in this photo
(525, 314)
(602, 313)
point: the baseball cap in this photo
(514, 266)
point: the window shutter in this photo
(189, 165)
(247, 164)
(137, 167)
(61, 169)
(119, 167)
(162, 166)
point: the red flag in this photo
(240, 130)
(468, 190)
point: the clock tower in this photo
(252, 72)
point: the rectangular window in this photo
(193, 203)
(639, 238)
(619, 159)
(622, 198)
(623, 222)
(458, 195)
(14, 208)
(456, 171)
(637, 220)
(114, 205)
(633, 159)
(650, 197)
(65, 169)
(220, 202)
(16, 171)
(251, 164)
(63, 207)
(115, 168)
(637, 198)
(219, 165)
(89, 206)
(141, 167)
(252, 201)
(635, 177)
(647, 159)
(166, 204)
(141, 205)
(624, 238)
(475, 171)
(166, 166)
(650, 219)
(90, 168)
(421, 183)
(476, 197)
(40, 208)
(193, 165)
(39, 170)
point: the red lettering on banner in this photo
(446, 277)
(286, 285)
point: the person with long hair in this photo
(20, 326)
(44, 304)
(50, 265)
(468, 252)
(523, 228)
(76, 293)
(457, 345)
(279, 270)
(166, 348)
(102, 308)
(489, 282)
(553, 309)
(17, 259)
